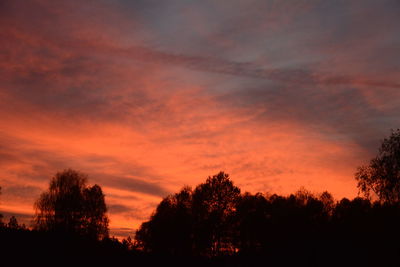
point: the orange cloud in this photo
(81, 88)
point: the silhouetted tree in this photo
(252, 223)
(13, 223)
(311, 207)
(214, 203)
(169, 229)
(214, 220)
(198, 222)
(95, 221)
(1, 215)
(71, 206)
(328, 201)
(382, 175)
(128, 243)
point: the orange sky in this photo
(147, 98)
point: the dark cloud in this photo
(137, 213)
(92, 98)
(122, 232)
(119, 208)
(22, 192)
(7, 158)
(132, 184)
(331, 111)
(43, 164)
(123, 197)
(292, 76)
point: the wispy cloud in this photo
(146, 97)
(299, 77)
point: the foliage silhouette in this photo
(1, 215)
(211, 225)
(382, 175)
(71, 206)
(214, 203)
(13, 223)
(169, 228)
(255, 228)
(193, 222)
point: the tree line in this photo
(216, 223)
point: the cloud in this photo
(130, 212)
(24, 192)
(43, 162)
(291, 76)
(118, 208)
(122, 233)
(146, 97)
(132, 184)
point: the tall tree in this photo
(382, 175)
(198, 222)
(169, 229)
(95, 219)
(69, 205)
(214, 203)
(252, 222)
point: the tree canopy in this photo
(69, 205)
(193, 222)
(213, 205)
(215, 220)
(382, 175)
(211, 225)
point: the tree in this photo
(382, 175)
(128, 243)
(1, 215)
(95, 220)
(328, 201)
(196, 222)
(251, 222)
(71, 206)
(169, 229)
(13, 223)
(214, 203)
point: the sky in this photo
(148, 96)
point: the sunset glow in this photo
(149, 96)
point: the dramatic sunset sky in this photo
(147, 96)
